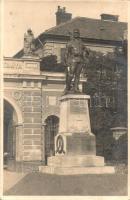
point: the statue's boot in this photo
(76, 86)
(68, 84)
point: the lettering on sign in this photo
(13, 66)
(19, 67)
(31, 66)
(78, 106)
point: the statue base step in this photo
(78, 164)
(76, 170)
(76, 161)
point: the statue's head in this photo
(29, 31)
(76, 33)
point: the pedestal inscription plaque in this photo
(78, 106)
(74, 114)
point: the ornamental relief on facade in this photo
(16, 95)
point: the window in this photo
(62, 54)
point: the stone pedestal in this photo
(75, 145)
(74, 114)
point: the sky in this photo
(39, 15)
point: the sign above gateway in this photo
(22, 66)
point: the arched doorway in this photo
(51, 130)
(12, 142)
(10, 120)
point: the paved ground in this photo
(93, 185)
(11, 178)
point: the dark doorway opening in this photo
(9, 147)
(51, 130)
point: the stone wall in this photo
(32, 115)
(51, 91)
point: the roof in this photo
(91, 28)
(95, 29)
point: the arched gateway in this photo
(31, 107)
(12, 136)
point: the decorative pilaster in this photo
(19, 142)
(43, 142)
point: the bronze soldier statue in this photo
(76, 56)
(29, 46)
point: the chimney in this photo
(62, 16)
(109, 17)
